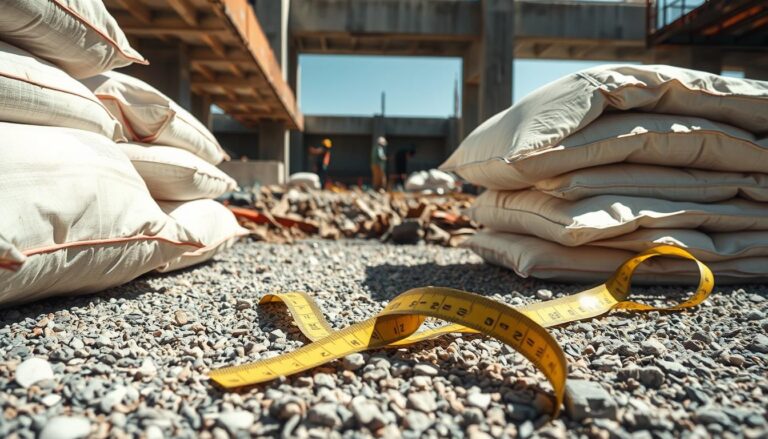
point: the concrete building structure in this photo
(432, 138)
(249, 67)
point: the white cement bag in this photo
(308, 179)
(433, 180)
(148, 116)
(676, 184)
(574, 223)
(79, 36)
(707, 247)
(76, 216)
(173, 174)
(536, 128)
(34, 91)
(535, 257)
(211, 222)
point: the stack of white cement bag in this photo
(77, 199)
(610, 161)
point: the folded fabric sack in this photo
(10, 257)
(36, 92)
(211, 222)
(676, 184)
(174, 174)
(78, 213)
(433, 180)
(531, 256)
(707, 247)
(574, 223)
(308, 179)
(149, 116)
(542, 120)
(79, 36)
(626, 137)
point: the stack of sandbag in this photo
(176, 155)
(75, 215)
(601, 164)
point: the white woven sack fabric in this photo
(536, 257)
(79, 36)
(433, 180)
(10, 257)
(542, 121)
(574, 223)
(211, 222)
(173, 174)
(667, 183)
(36, 92)
(148, 116)
(308, 179)
(629, 137)
(78, 213)
(707, 247)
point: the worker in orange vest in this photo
(322, 160)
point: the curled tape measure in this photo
(521, 328)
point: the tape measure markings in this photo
(398, 324)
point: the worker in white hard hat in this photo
(379, 163)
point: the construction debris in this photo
(284, 214)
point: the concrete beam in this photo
(436, 26)
(561, 20)
(415, 127)
(347, 125)
(223, 123)
(364, 126)
(449, 18)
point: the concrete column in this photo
(470, 90)
(273, 17)
(168, 72)
(274, 140)
(273, 143)
(705, 59)
(452, 134)
(756, 71)
(201, 109)
(299, 159)
(497, 54)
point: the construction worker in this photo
(379, 163)
(322, 159)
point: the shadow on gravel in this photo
(388, 280)
(274, 316)
(131, 291)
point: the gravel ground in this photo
(132, 361)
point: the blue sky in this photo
(414, 86)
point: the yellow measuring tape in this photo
(521, 328)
